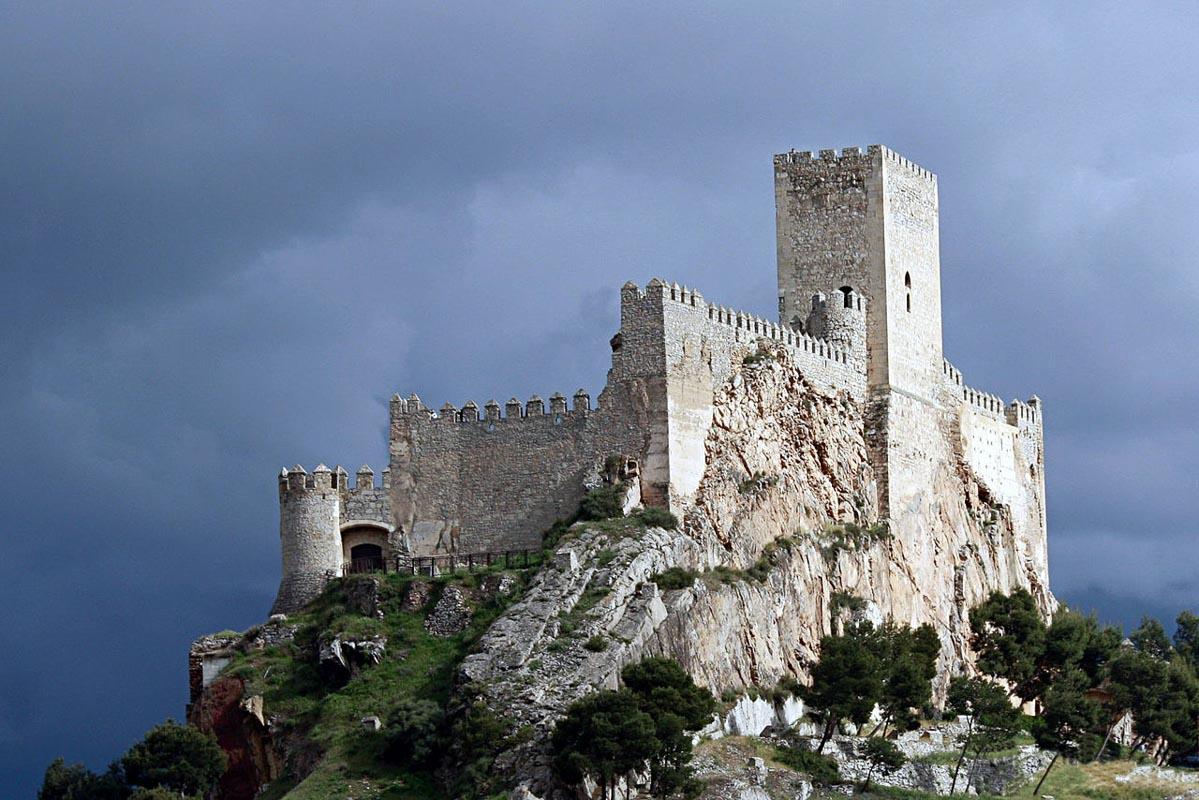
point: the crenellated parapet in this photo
(846, 156)
(690, 314)
(413, 411)
(1025, 414)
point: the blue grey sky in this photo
(228, 232)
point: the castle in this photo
(859, 295)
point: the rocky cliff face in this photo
(783, 531)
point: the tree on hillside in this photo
(76, 782)
(1008, 635)
(881, 754)
(1068, 719)
(1016, 646)
(1173, 718)
(175, 757)
(1150, 638)
(668, 695)
(604, 735)
(908, 661)
(1135, 681)
(1186, 639)
(993, 723)
(846, 683)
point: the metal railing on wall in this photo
(446, 563)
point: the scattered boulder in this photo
(341, 659)
(451, 614)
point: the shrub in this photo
(412, 728)
(821, 769)
(845, 600)
(654, 517)
(789, 687)
(758, 357)
(674, 578)
(757, 482)
(603, 502)
(596, 644)
(550, 539)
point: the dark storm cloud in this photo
(228, 234)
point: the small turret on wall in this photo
(840, 318)
(309, 533)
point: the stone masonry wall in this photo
(464, 481)
(367, 501)
(499, 482)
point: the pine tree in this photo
(993, 723)
(604, 735)
(846, 682)
(668, 695)
(176, 757)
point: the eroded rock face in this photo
(241, 732)
(783, 462)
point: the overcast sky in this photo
(229, 234)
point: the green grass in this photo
(415, 665)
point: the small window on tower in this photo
(847, 294)
(909, 303)
(907, 279)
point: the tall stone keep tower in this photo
(868, 223)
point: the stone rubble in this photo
(451, 614)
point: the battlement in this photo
(800, 157)
(952, 373)
(849, 156)
(990, 403)
(743, 322)
(365, 479)
(1021, 413)
(911, 166)
(511, 411)
(296, 480)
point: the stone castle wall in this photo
(468, 481)
(860, 304)
(474, 484)
(368, 500)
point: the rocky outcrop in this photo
(242, 733)
(340, 658)
(788, 490)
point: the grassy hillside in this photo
(318, 713)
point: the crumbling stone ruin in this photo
(859, 299)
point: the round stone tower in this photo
(840, 318)
(309, 533)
